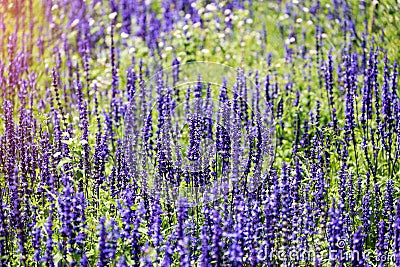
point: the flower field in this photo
(199, 133)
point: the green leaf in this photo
(57, 258)
(63, 161)
(142, 230)
(90, 253)
(68, 141)
(83, 142)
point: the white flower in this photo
(168, 48)
(211, 7)
(124, 35)
(208, 15)
(299, 20)
(227, 12)
(74, 23)
(283, 17)
(132, 50)
(290, 40)
(112, 15)
(249, 21)
(91, 21)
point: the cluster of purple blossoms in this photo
(84, 133)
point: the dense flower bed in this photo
(281, 148)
